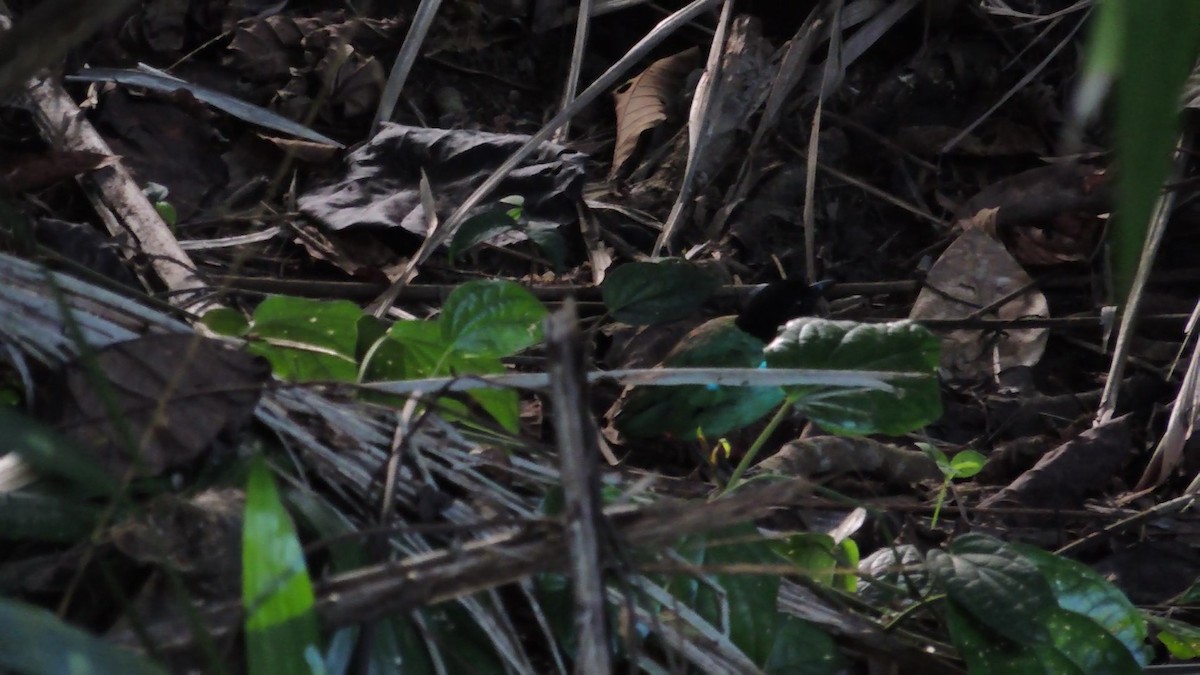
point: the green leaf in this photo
(967, 463)
(417, 349)
(848, 558)
(646, 293)
(491, 318)
(33, 640)
(935, 453)
(1181, 639)
(281, 626)
(802, 647)
(226, 321)
(893, 574)
(1081, 590)
(481, 227)
(502, 404)
(370, 330)
(812, 552)
(423, 350)
(1158, 49)
(1086, 644)
(308, 339)
(551, 244)
(985, 654)
(845, 345)
(711, 409)
(750, 618)
(167, 212)
(997, 585)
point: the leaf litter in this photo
(926, 204)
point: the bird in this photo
(724, 342)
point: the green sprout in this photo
(964, 465)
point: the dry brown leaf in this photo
(176, 394)
(642, 102)
(825, 456)
(973, 273)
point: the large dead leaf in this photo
(174, 395)
(973, 274)
(1065, 475)
(643, 102)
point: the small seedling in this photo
(964, 465)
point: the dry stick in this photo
(709, 92)
(582, 24)
(118, 200)
(413, 40)
(601, 85)
(788, 75)
(578, 448)
(833, 64)
(397, 588)
(1158, 227)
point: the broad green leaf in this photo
(845, 345)
(1086, 644)
(491, 318)
(646, 293)
(166, 211)
(987, 654)
(967, 463)
(551, 244)
(709, 409)
(1081, 590)
(52, 455)
(308, 339)
(281, 626)
(502, 404)
(802, 647)
(35, 641)
(226, 321)
(812, 552)
(346, 551)
(481, 227)
(997, 585)
(743, 605)
(848, 558)
(1158, 44)
(893, 574)
(370, 330)
(417, 349)
(423, 349)
(1181, 639)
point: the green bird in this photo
(723, 342)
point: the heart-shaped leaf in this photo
(902, 347)
(996, 585)
(483, 226)
(646, 293)
(307, 339)
(491, 318)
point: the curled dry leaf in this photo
(1065, 475)
(643, 102)
(973, 274)
(827, 456)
